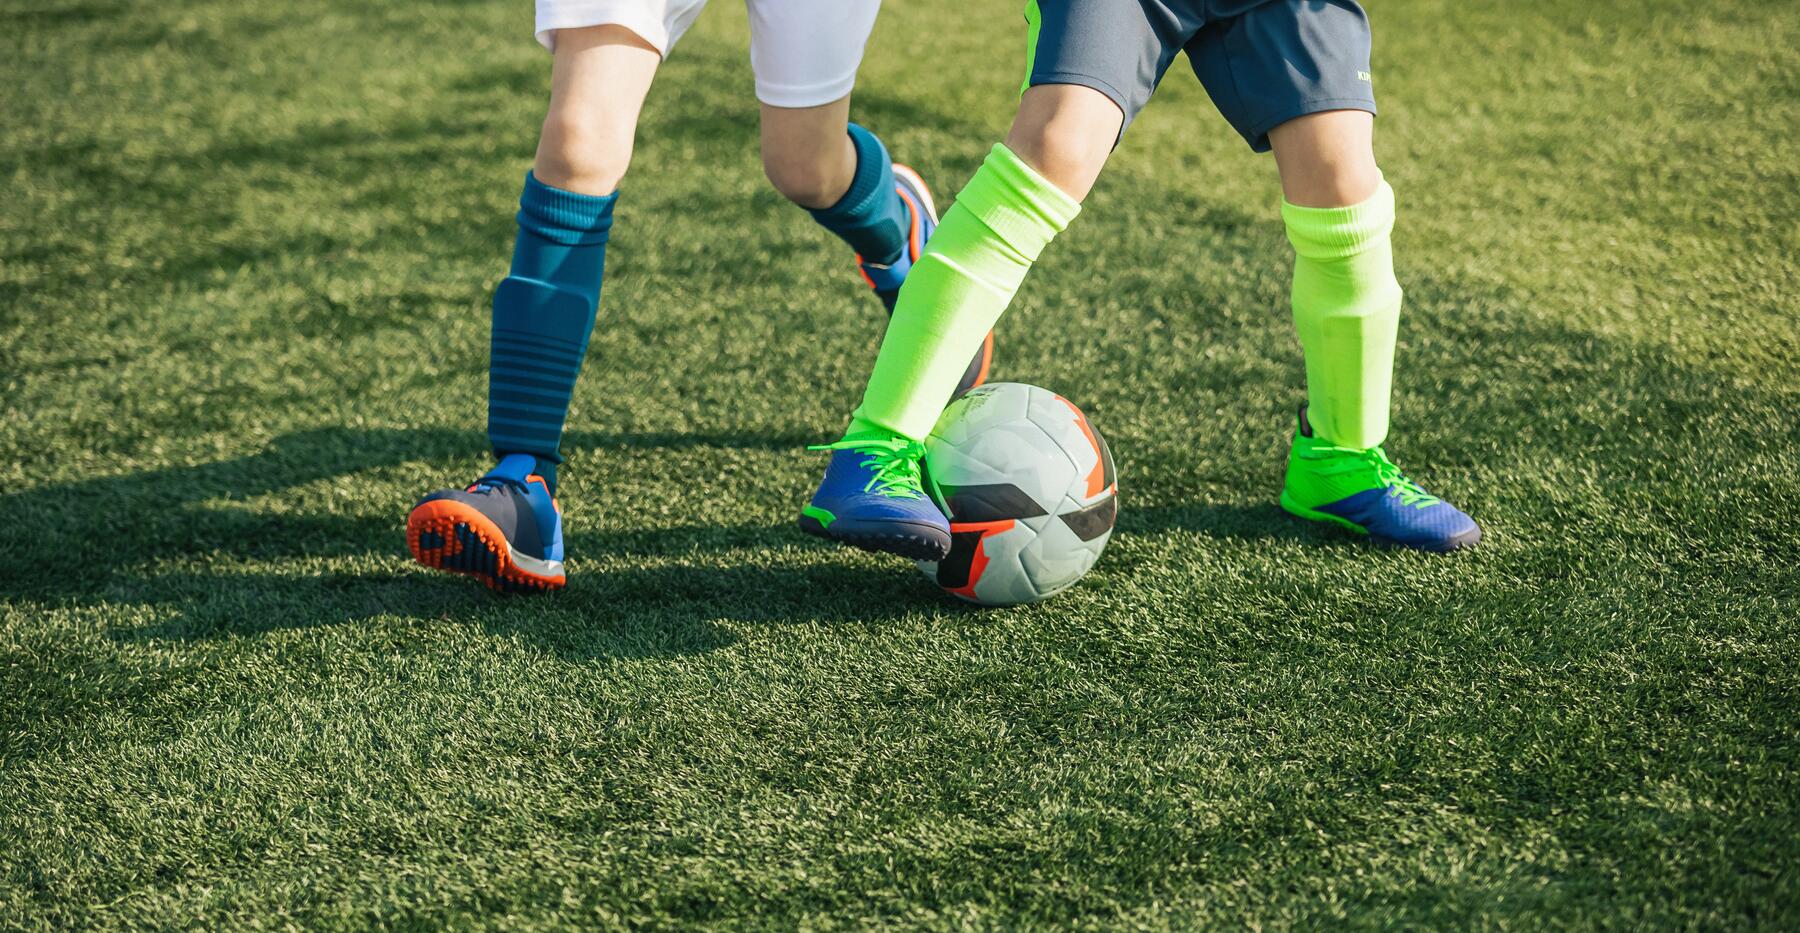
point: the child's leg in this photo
(1091, 66)
(506, 528)
(1065, 132)
(1339, 212)
(1295, 78)
(872, 496)
(839, 172)
(1346, 301)
(598, 81)
(805, 54)
(545, 308)
(1025, 193)
(808, 153)
(842, 175)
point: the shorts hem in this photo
(1088, 81)
(1258, 135)
(630, 16)
(811, 95)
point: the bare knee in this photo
(578, 152)
(1327, 159)
(1066, 132)
(807, 153)
(597, 88)
(810, 183)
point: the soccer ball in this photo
(1030, 490)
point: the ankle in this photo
(862, 429)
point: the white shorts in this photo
(803, 52)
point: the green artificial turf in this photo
(245, 257)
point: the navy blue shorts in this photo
(1263, 62)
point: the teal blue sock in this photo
(870, 216)
(543, 316)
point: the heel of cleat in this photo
(449, 536)
(1293, 507)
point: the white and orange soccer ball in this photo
(1030, 490)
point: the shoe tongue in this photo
(513, 468)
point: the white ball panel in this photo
(988, 458)
(1056, 558)
(1028, 458)
(980, 409)
(1059, 421)
(1003, 581)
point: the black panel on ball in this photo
(1094, 520)
(953, 570)
(994, 503)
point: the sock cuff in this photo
(1337, 232)
(1022, 207)
(565, 217)
(873, 178)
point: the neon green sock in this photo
(974, 263)
(1347, 310)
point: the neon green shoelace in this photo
(896, 464)
(1350, 459)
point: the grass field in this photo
(245, 257)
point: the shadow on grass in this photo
(1229, 521)
(74, 14)
(134, 537)
(667, 610)
(671, 440)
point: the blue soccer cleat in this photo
(873, 498)
(886, 280)
(1365, 492)
(506, 530)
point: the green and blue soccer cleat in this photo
(505, 530)
(873, 498)
(1365, 492)
(887, 279)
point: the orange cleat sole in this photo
(450, 536)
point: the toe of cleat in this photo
(1443, 532)
(1457, 542)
